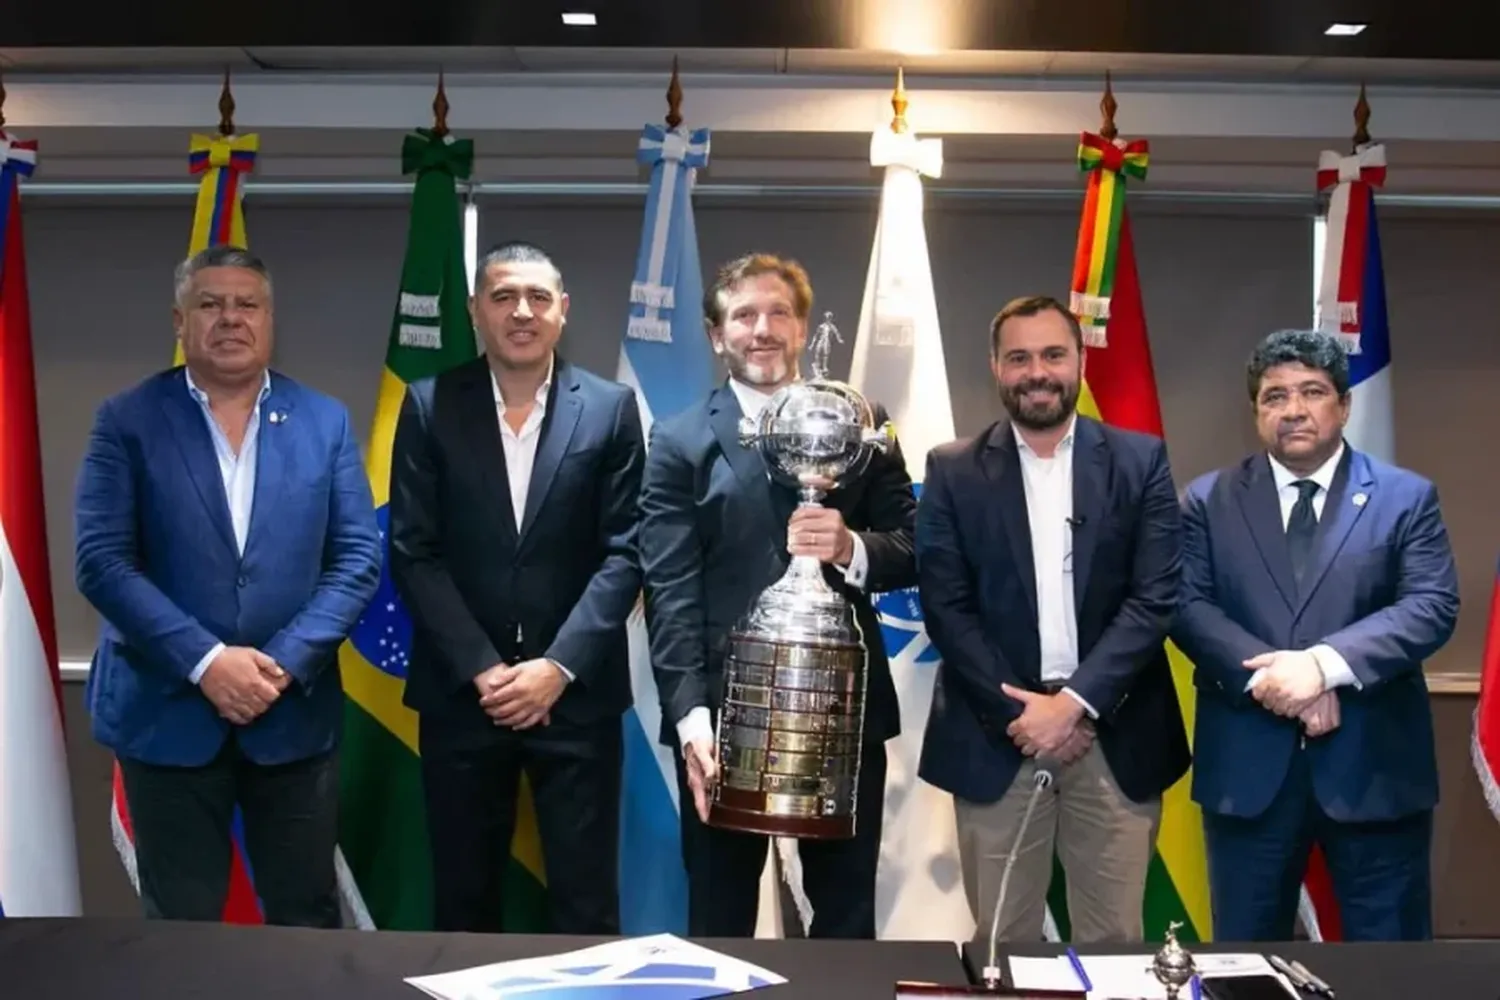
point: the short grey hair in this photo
(222, 255)
(515, 252)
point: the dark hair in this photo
(749, 266)
(1312, 348)
(219, 255)
(514, 252)
(1031, 305)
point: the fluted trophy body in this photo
(795, 673)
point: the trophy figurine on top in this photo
(792, 722)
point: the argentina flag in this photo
(665, 358)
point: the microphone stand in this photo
(1040, 782)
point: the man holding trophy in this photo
(775, 688)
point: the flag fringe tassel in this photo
(1487, 781)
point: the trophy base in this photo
(751, 812)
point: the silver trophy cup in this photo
(792, 722)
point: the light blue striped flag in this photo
(665, 357)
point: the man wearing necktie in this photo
(1316, 581)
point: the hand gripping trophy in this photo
(790, 731)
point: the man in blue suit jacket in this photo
(1048, 550)
(227, 537)
(1315, 582)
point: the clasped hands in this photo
(1293, 686)
(242, 683)
(1053, 725)
(520, 696)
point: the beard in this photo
(760, 373)
(1040, 415)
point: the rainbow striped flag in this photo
(1120, 390)
(222, 162)
(385, 871)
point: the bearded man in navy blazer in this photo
(1316, 580)
(227, 537)
(1048, 552)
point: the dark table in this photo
(140, 960)
(1431, 970)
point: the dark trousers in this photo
(182, 818)
(470, 786)
(838, 876)
(1381, 871)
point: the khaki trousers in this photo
(1104, 840)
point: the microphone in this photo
(1077, 522)
(1043, 779)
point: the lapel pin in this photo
(278, 416)
(1360, 498)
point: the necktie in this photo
(1301, 527)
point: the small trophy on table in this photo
(1173, 966)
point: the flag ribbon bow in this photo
(422, 151)
(437, 160)
(1353, 180)
(1107, 164)
(902, 149)
(221, 161)
(672, 155)
(17, 160)
(1366, 166)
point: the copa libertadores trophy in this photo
(795, 669)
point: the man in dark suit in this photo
(1048, 549)
(514, 481)
(227, 537)
(715, 531)
(1315, 582)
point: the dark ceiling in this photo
(1398, 29)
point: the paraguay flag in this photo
(1486, 741)
(1351, 307)
(665, 358)
(38, 861)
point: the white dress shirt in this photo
(1049, 511)
(237, 469)
(697, 724)
(520, 456)
(1336, 670)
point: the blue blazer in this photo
(156, 556)
(1382, 591)
(978, 593)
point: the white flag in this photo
(898, 363)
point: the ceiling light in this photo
(1341, 30)
(580, 20)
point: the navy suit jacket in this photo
(713, 536)
(1381, 590)
(156, 555)
(978, 594)
(566, 581)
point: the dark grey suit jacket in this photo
(712, 536)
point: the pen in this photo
(1083, 977)
(1281, 966)
(1313, 980)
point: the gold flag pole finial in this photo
(674, 98)
(226, 108)
(2, 99)
(440, 108)
(1361, 120)
(899, 103)
(1107, 109)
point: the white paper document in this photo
(1129, 977)
(659, 967)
